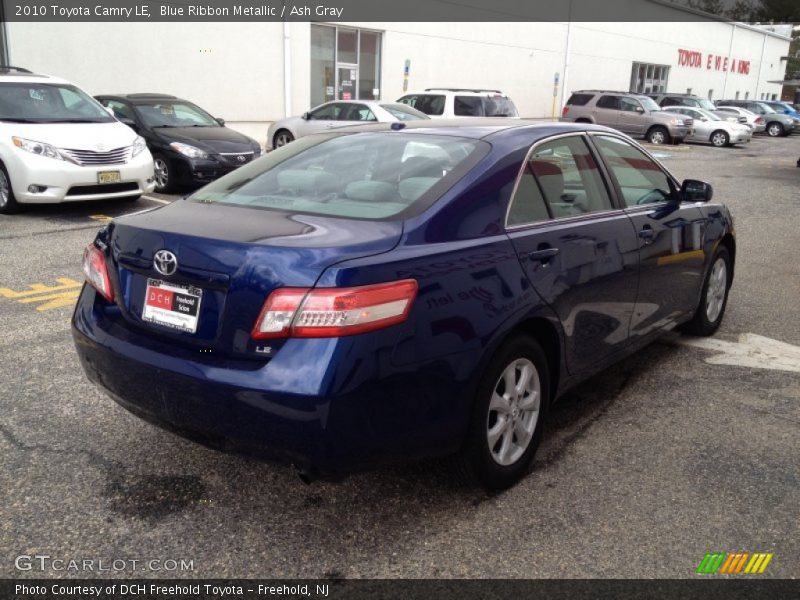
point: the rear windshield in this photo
(374, 175)
(483, 106)
(430, 104)
(403, 112)
(49, 103)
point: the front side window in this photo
(329, 112)
(374, 175)
(175, 114)
(560, 179)
(121, 110)
(49, 103)
(629, 105)
(640, 180)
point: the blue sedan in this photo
(382, 294)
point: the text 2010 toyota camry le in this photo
(383, 294)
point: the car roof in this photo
(460, 91)
(141, 98)
(475, 127)
(10, 74)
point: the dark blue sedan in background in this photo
(382, 294)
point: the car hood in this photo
(75, 136)
(210, 139)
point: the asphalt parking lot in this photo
(676, 452)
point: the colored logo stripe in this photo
(734, 563)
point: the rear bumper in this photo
(329, 407)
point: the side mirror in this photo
(109, 110)
(693, 190)
(703, 119)
(220, 121)
(639, 109)
(129, 122)
(306, 116)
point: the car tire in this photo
(658, 135)
(719, 139)
(131, 199)
(8, 204)
(775, 129)
(162, 174)
(281, 138)
(714, 298)
(583, 120)
(506, 425)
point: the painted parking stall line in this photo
(49, 297)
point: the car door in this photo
(606, 111)
(578, 250)
(700, 124)
(632, 119)
(321, 118)
(670, 234)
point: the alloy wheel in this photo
(513, 412)
(658, 137)
(161, 173)
(774, 130)
(719, 139)
(715, 294)
(282, 139)
(4, 190)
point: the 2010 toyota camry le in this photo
(386, 293)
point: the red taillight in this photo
(759, 120)
(564, 111)
(334, 312)
(96, 272)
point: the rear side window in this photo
(560, 179)
(430, 104)
(372, 175)
(608, 102)
(468, 106)
(356, 112)
(579, 99)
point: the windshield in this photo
(364, 176)
(175, 114)
(403, 112)
(649, 103)
(706, 104)
(49, 103)
(709, 115)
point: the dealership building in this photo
(252, 73)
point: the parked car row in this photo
(58, 144)
(433, 103)
(674, 118)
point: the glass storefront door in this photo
(348, 82)
(345, 64)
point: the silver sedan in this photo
(753, 121)
(710, 128)
(339, 113)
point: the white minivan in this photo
(58, 144)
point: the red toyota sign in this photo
(715, 62)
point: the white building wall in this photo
(236, 70)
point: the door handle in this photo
(544, 255)
(647, 234)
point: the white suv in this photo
(448, 103)
(58, 144)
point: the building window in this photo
(649, 79)
(747, 95)
(774, 97)
(710, 94)
(689, 91)
(737, 96)
(345, 64)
